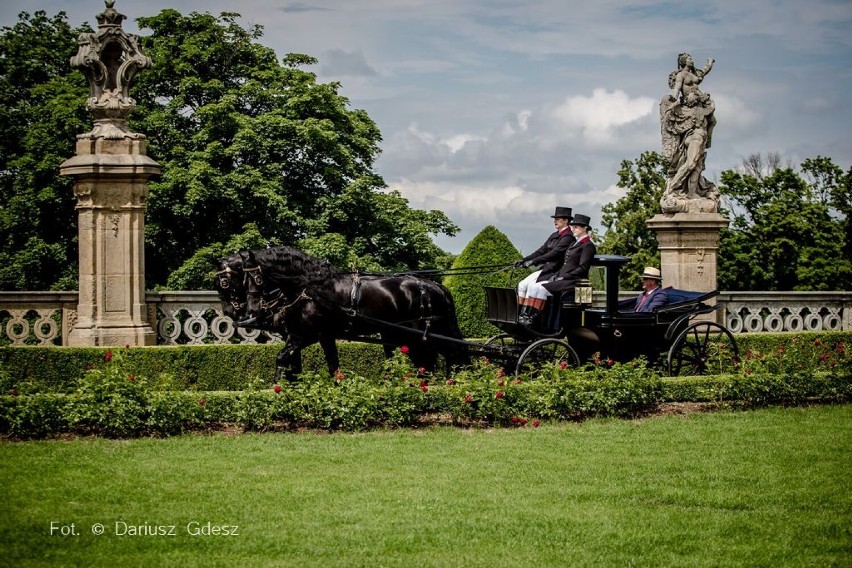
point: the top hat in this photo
(580, 219)
(651, 272)
(562, 213)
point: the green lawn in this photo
(761, 488)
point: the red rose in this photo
(501, 383)
(468, 398)
(424, 388)
(131, 378)
(536, 423)
(501, 373)
(499, 394)
(404, 349)
(339, 376)
(515, 419)
(563, 365)
(202, 401)
(277, 389)
(422, 370)
(127, 346)
(450, 382)
(523, 421)
(108, 356)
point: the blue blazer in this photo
(656, 298)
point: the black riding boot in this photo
(529, 317)
(524, 315)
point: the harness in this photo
(277, 295)
(225, 284)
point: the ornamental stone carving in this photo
(687, 121)
(109, 58)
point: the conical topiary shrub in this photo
(488, 248)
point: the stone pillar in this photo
(111, 172)
(111, 186)
(689, 248)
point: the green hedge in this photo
(490, 247)
(233, 367)
(195, 367)
(116, 399)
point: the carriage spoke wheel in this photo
(703, 348)
(545, 351)
(505, 342)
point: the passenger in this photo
(652, 296)
(551, 255)
(575, 267)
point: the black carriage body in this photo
(605, 332)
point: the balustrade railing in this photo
(185, 318)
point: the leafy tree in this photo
(626, 233)
(786, 233)
(253, 150)
(246, 141)
(42, 108)
(489, 247)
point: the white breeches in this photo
(529, 288)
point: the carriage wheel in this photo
(506, 342)
(544, 351)
(508, 347)
(703, 348)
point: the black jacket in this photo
(578, 259)
(552, 253)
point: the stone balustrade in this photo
(181, 318)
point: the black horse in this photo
(308, 300)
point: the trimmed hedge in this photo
(489, 247)
(113, 399)
(187, 367)
(233, 367)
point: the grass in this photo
(762, 488)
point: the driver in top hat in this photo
(550, 256)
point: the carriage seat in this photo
(676, 299)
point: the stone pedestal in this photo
(689, 247)
(111, 185)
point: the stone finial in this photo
(110, 58)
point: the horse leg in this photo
(332, 358)
(289, 360)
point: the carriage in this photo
(309, 301)
(677, 337)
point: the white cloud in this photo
(599, 116)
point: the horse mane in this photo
(285, 264)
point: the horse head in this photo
(264, 300)
(230, 285)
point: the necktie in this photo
(641, 301)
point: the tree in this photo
(247, 142)
(786, 233)
(489, 247)
(42, 108)
(252, 149)
(625, 220)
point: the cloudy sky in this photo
(496, 111)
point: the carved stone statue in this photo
(110, 58)
(687, 121)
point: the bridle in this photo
(224, 278)
(269, 300)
